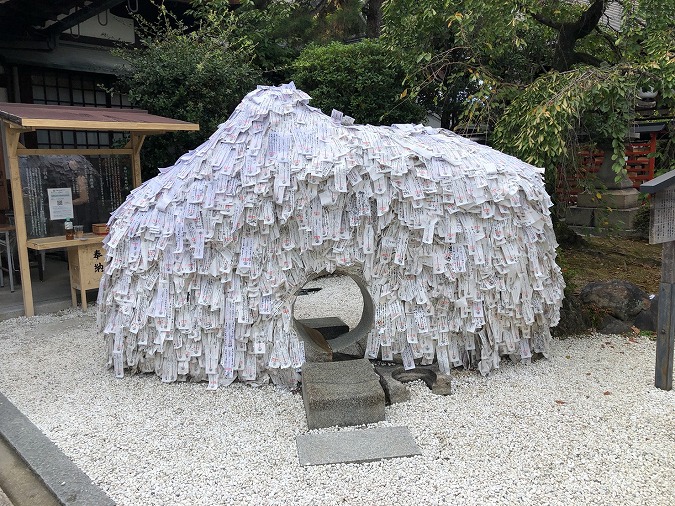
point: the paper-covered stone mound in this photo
(452, 239)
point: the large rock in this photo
(647, 319)
(621, 299)
(611, 325)
(573, 319)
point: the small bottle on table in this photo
(70, 233)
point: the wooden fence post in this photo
(662, 230)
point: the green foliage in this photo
(642, 221)
(568, 273)
(542, 78)
(276, 30)
(197, 76)
(649, 334)
(362, 80)
(665, 155)
(436, 68)
(544, 121)
(338, 21)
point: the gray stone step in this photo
(342, 393)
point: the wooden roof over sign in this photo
(660, 183)
(36, 116)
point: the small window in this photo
(83, 90)
(78, 97)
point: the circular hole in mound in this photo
(330, 297)
(341, 311)
(426, 375)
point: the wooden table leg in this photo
(83, 289)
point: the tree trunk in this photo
(564, 56)
(569, 33)
(372, 10)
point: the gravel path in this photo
(585, 427)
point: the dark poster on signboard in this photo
(97, 185)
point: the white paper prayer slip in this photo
(452, 239)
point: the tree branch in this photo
(590, 18)
(610, 42)
(587, 58)
(545, 21)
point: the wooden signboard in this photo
(662, 217)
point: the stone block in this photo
(330, 327)
(394, 390)
(615, 199)
(67, 482)
(365, 445)
(579, 216)
(341, 394)
(442, 385)
(622, 218)
(588, 200)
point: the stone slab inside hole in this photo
(329, 326)
(363, 445)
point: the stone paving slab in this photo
(363, 445)
(70, 485)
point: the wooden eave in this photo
(59, 117)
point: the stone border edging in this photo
(70, 485)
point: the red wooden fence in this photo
(640, 169)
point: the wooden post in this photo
(662, 230)
(652, 152)
(12, 144)
(136, 145)
(665, 339)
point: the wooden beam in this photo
(60, 242)
(659, 183)
(136, 145)
(116, 126)
(81, 14)
(11, 138)
(81, 151)
(665, 338)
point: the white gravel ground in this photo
(585, 427)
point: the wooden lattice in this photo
(639, 164)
